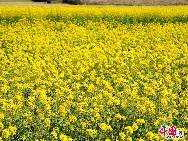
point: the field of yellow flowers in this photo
(92, 73)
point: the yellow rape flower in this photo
(134, 126)
(63, 137)
(12, 130)
(72, 118)
(119, 116)
(129, 130)
(54, 134)
(91, 132)
(129, 139)
(48, 122)
(6, 133)
(150, 135)
(1, 126)
(140, 121)
(2, 116)
(104, 127)
(122, 136)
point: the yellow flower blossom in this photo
(12, 130)
(104, 127)
(119, 116)
(150, 135)
(6, 133)
(108, 140)
(1, 126)
(72, 118)
(140, 121)
(1, 116)
(129, 139)
(135, 126)
(54, 134)
(91, 132)
(129, 130)
(122, 136)
(63, 137)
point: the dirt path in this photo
(33, 3)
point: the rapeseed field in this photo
(92, 73)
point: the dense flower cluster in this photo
(97, 81)
(70, 11)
